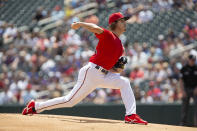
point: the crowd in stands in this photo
(34, 65)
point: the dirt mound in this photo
(18, 122)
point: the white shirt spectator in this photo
(48, 65)
(57, 13)
(140, 60)
(87, 53)
(165, 4)
(161, 75)
(10, 31)
(6, 97)
(22, 84)
(146, 99)
(123, 39)
(125, 7)
(145, 16)
(73, 38)
(166, 94)
(28, 95)
(13, 88)
(73, 19)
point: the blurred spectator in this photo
(145, 16)
(167, 94)
(9, 33)
(6, 97)
(154, 91)
(101, 4)
(139, 58)
(113, 95)
(155, 6)
(161, 74)
(57, 13)
(69, 11)
(101, 96)
(40, 14)
(137, 74)
(73, 38)
(171, 33)
(165, 4)
(28, 94)
(191, 30)
(177, 4)
(133, 12)
(154, 54)
(150, 72)
(119, 3)
(146, 98)
(92, 19)
(189, 4)
(136, 90)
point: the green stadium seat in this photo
(21, 12)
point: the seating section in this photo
(148, 32)
(21, 12)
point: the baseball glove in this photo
(119, 66)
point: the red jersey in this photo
(108, 50)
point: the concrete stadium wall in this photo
(153, 113)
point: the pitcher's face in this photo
(121, 25)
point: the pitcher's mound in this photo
(18, 122)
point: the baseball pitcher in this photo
(103, 70)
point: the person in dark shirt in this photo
(188, 83)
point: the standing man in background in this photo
(103, 70)
(188, 84)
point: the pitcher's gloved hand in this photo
(120, 64)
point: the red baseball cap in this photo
(116, 16)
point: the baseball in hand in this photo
(75, 25)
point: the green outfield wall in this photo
(154, 113)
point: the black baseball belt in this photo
(101, 69)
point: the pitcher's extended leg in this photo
(83, 87)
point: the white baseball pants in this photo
(90, 78)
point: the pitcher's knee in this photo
(73, 102)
